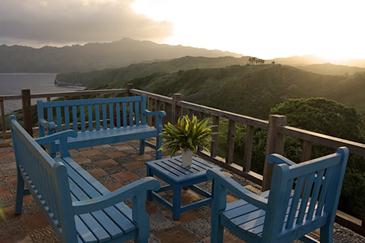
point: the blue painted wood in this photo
(82, 210)
(125, 115)
(114, 123)
(82, 118)
(90, 117)
(303, 198)
(111, 115)
(67, 117)
(118, 114)
(97, 117)
(130, 107)
(178, 177)
(74, 117)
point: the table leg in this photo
(176, 203)
(149, 193)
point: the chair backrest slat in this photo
(316, 189)
(294, 202)
(67, 117)
(117, 112)
(105, 121)
(308, 184)
(130, 114)
(125, 114)
(143, 107)
(137, 115)
(90, 117)
(97, 117)
(82, 117)
(59, 118)
(49, 114)
(111, 115)
(74, 117)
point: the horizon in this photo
(329, 30)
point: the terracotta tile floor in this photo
(114, 166)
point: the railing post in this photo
(27, 113)
(3, 124)
(129, 87)
(215, 130)
(176, 98)
(247, 155)
(306, 151)
(230, 141)
(274, 144)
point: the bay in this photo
(13, 83)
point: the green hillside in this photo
(250, 90)
(119, 76)
(332, 69)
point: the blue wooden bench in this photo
(303, 198)
(82, 210)
(101, 121)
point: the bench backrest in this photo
(47, 179)
(311, 189)
(94, 114)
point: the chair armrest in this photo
(129, 191)
(160, 114)
(46, 124)
(236, 189)
(279, 159)
(62, 137)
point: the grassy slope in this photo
(120, 76)
(250, 90)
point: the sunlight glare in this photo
(331, 29)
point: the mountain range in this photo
(93, 56)
(248, 89)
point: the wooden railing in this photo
(276, 129)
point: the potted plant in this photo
(188, 136)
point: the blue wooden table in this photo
(179, 177)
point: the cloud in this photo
(71, 21)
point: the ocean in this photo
(13, 83)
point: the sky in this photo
(332, 29)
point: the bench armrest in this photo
(58, 136)
(134, 189)
(279, 159)
(160, 114)
(44, 124)
(236, 189)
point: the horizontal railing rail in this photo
(275, 129)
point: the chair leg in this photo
(326, 235)
(19, 193)
(142, 145)
(216, 234)
(176, 203)
(158, 146)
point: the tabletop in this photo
(172, 168)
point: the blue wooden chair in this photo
(303, 198)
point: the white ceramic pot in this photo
(187, 157)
